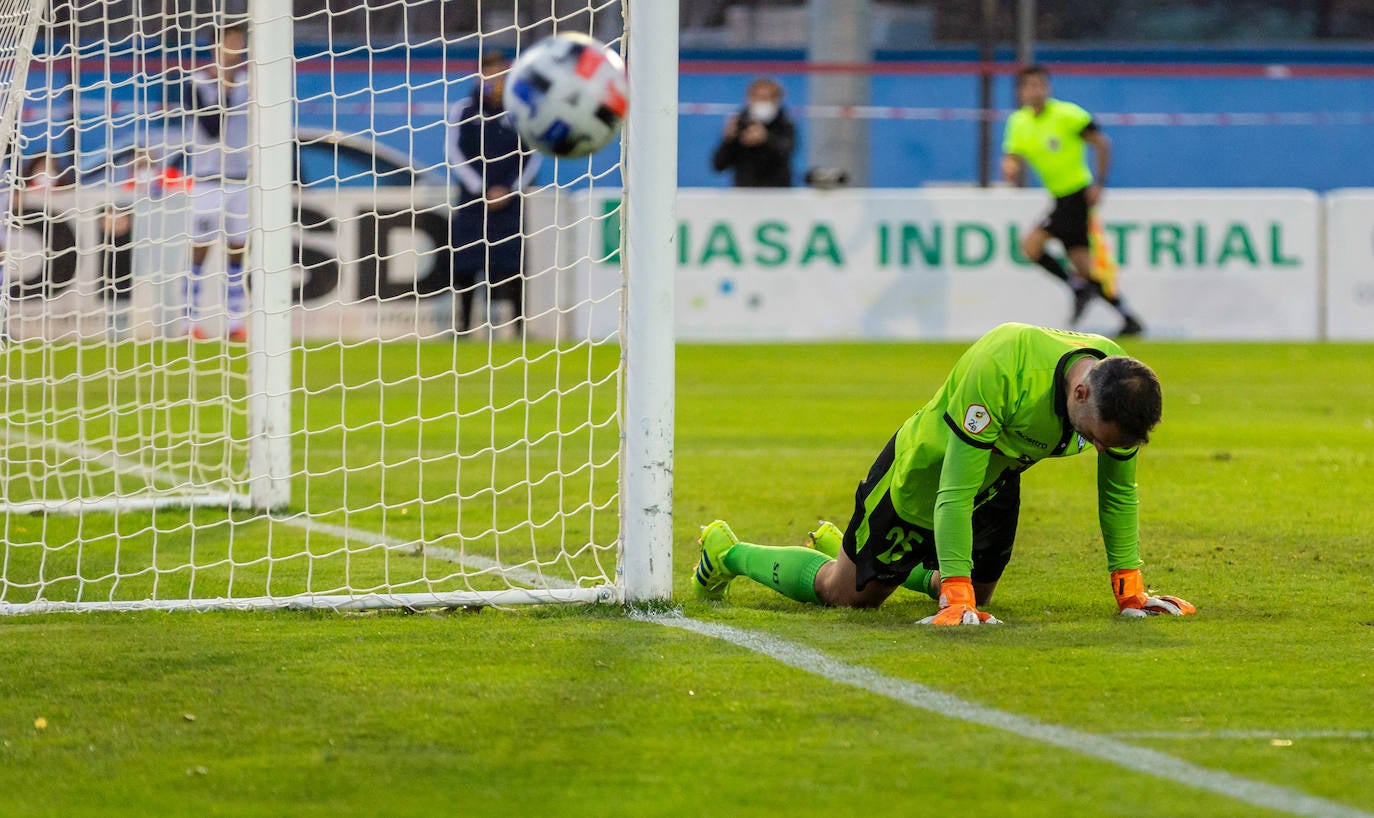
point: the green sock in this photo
(827, 547)
(919, 581)
(791, 571)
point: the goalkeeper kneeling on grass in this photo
(937, 513)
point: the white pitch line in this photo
(1352, 735)
(105, 457)
(155, 474)
(1104, 748)
(473, 562)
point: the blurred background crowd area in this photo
(896, 24)
(1206, 93)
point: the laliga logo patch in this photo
(1082, 442)
(976, 419)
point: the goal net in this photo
(261, 349)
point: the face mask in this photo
(763, 112)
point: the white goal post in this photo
(247, 360)
(19, 21)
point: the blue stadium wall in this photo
(1330, 91)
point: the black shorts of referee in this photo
(1068, 222)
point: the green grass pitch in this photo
(1255, 506)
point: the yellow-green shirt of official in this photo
(1052, 142)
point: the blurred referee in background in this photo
(1051, 135)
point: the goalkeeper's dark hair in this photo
(1127, 394)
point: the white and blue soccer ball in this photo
(567, 95)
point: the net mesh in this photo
(432, 459)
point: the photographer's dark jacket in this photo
(484, 151)
(765, 165)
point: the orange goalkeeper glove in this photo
(1132, 600)
(957, 605)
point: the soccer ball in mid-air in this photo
(567, 95)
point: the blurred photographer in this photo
(490, 170)
(759, 141)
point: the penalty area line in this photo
(1104, 748)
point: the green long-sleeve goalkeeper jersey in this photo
(1003, 409)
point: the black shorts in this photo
(886, 548)
(1068, 222)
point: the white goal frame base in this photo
(337, 603)
(113, 503)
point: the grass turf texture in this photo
(1254, 506)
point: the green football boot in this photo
(827, 539)
(712, 578)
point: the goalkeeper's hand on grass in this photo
(1132, 600)
(957, 605)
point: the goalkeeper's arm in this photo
(961, 475)
(1117, 508)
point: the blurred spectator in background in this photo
(27, 208)
(150, 177)
(43, 171)
(116, 254)
(218, 102)
(759, 141)
(489, 168)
